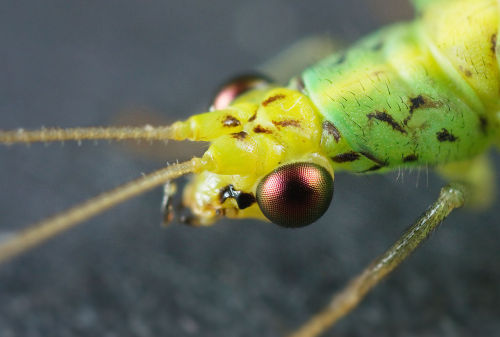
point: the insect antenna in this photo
(146, 132)
(48, 228)
(193, 128)
(201, 127)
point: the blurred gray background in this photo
(85, 63)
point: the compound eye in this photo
(295, 195)
(228, 92)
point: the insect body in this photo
(395, 99)
(391, 94)
(385, 103)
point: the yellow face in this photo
(264, 161)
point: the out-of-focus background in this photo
(82, 63)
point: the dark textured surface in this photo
(84, 63)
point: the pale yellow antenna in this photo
(146, 132)
(48, 228)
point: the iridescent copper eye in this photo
(296, 194)
(237, 86)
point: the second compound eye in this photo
(295, 195)
(228, 92)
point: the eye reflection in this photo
(295, 195)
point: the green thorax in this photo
(388, 103)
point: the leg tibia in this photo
(451, 197)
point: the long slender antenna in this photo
(201, 127)
(147, 132)
(48, 228)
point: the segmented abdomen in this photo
(420, 93)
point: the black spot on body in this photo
(230, 122)
(445, 136)
(416, 102)
(243, 200)
(373, 158)
(346, 157)
(261, 129)
(373, 168)
(331, 130)
(420, 102)
(271, 99)
(483, 124)
(387, 118)
(239, 135)
(410, 158)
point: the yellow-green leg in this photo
(452, 196)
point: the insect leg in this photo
(452, 196)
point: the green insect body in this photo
(419, 93)
(423, 93)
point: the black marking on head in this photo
(445, 136)
(230, 122)
(243, 200)
(272, 99)
(493, 41)
(287, 122)
(239, 135)
(383, 116)
(410, 158)
(373, 158)
(261, 129)
(346, 157)
(483, 124)
(254, 116)
(331, 130)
